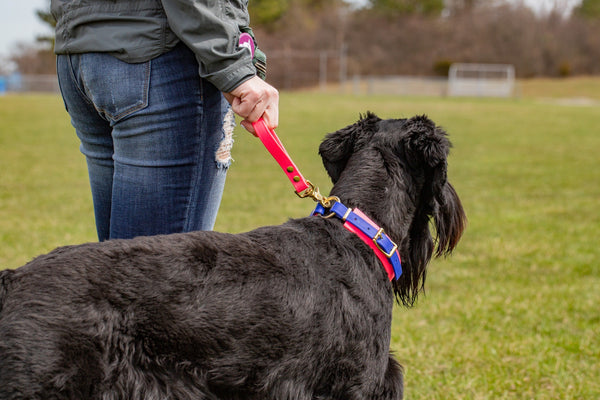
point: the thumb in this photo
(248, 126)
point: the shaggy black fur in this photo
(300, 311)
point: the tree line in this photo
(408, 37)
(424, 37)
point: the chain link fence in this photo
(29, 83)
(324, 71)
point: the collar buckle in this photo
(379, 235)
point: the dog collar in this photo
(370, 233)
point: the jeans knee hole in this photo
(223, 155)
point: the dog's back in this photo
(197, 315)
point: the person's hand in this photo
(254, 99)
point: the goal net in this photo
(481, 80)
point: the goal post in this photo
(481, 80)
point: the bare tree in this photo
(33, 60)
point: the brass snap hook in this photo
(313, 192)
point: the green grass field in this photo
(513, 314)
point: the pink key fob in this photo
(247, 42)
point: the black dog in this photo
(300, 311)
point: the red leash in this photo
(275, 147)
(303, 187)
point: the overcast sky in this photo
(19, 23)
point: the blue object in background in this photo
(14, 82)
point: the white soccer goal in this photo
(481, 80)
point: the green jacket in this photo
(139, 30)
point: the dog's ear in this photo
(426, 145)
(450, 220)
(429, 146)
(338, 146)
(447, 211)
(426, 148)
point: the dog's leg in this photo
(369, 385)
(394, 381)
(392, 386)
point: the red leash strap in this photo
(270, 140)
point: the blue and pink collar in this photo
(370, 233)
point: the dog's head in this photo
(395, 171)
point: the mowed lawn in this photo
(513, 314)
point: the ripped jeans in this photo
(157, 140)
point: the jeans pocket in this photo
(117, 89)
